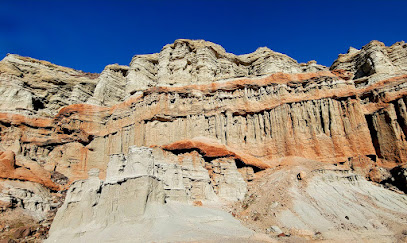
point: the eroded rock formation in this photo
(214, 119)
(142, 192)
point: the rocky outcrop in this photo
(321, 115)
(197, 62)
(185, 176)
(212, 149)
(187, 62)
(137, 192)
(374, 59)
(389, 129)
(35, 199)
(215, 120)
(31, 172)
(30, 86)
(111, 87)
(399, 177)
(254, 121)
(27, 210)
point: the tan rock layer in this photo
(314, 115)
(329, 116)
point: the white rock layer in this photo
(130, 206)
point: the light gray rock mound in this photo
(33, 198)
(130, 206)
(187, 178)
(374, 59)
(111, 86)
(330, 203)
(33, 86)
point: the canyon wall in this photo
(265, 105)
(194, 124)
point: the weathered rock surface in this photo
(318, 115)
(186, 177)
(220, 119)
(29, 172)
(315, 115)
(40, 87)
(30, 86)
(111, 87)
(188, 62)
(374, 59)
(399, 177)
(27, 210)
(34, 198)
(132, 205)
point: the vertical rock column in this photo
(390, 139)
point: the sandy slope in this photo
(326, 203)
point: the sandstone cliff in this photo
(214, 115)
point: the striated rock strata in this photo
(318, 115)
(216, 116)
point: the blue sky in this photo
(88, 35)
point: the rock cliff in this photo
(198, 124)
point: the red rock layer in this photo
(213, 150)
(314, 115)
(33, 173)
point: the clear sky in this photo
(88, 35)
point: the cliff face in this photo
(198, 62)
(280, 108)
(234, 113)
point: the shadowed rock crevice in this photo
(401, 111)
(373, 134)
(400, 174)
